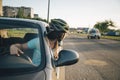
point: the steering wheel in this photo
(4, 51)
(26, 57)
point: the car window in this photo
(31, 56)
(92, 31)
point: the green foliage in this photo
(20, 32)
(112, 37)
(40, 19)
(20, 13)
(28, 16)
(103, 26)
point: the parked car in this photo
(113, 33)
(12, 67)
(93, 33)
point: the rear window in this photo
(93, 31)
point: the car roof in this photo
(20, 21)
(93, 29)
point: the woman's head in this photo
(56, 35)
(57, 29)
(59, 25)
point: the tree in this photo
(40, 19)
(28, 16)
(20, 13)
(103, 26)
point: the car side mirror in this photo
(67, 57)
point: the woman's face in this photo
(61, 36)
(53, 43)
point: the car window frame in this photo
(43, 61)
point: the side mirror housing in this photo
(67, 57)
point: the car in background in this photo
(93, 34)
(12, 67)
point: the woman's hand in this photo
(56, 55)
(15, 50)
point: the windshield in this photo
(31, 56)
(93, 31)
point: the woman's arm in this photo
(16, 49)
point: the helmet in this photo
(57, 29)
(59, 25)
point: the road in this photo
(98, 59)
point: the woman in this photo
(56, 33)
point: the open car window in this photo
(31, 57)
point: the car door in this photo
(23, 67)
(13, 67)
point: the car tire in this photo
(98, 37)
(88, 37)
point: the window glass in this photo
(92, 31)
(32, 54)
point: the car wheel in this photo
(98, 37)
(91, 37)
(88, 37)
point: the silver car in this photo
(93, 33)
(12, 67)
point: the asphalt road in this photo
(98, 59)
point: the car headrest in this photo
(29, 36)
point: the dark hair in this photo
(55, 35)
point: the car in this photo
(12, 67)
(93, 33)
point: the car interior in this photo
(12, 60)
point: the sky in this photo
(77, 13)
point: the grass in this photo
(103, 37)
(112, 37)
(20, 32)
(15, 33)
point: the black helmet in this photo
(59, 25)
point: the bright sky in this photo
(77, 13)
